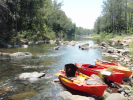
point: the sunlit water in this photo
(44, 59)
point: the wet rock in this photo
(9, 46)
(65, 95)
(31, 42)
(124, 44)
(104, 44)
(56, 48)
(16, 46)
(84, 45)
(5, 54)
(25, 46)
(52, 41)
(115, 96)
(84, 48)
(56, 80)
(31, 76)
(78, 97)
(20, 54)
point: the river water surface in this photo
(44, 59)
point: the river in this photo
(47, 60)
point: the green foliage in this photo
(13, 40)
(116, 18)
(104, 96)
(100, 75)
(35, 20)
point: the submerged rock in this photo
(20, 54)
(23, 96)
(4, 89)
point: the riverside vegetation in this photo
(33, 20)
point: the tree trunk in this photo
(126, 18)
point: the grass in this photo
(131, 49)
(95, 35)
(104, 96)
(120, 37)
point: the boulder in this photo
(9, 46)
(72, 43)
(84, 48)
(84, 45)
(124, 44)
(31, 42)
(31, 76)
(56, 48)
(104, 44)
(52, 41)
(65, 95)
(24, 46)
(16, 46)
(115, 96)
(78, 97)
(110, 51)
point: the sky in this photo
(82, 12)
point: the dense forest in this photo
(116, 18)
(35, 20)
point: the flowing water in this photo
(44, 59)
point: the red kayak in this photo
(89, 69)
(79, 81)
(116, 67)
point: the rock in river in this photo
(20, 54)
(31, 76)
